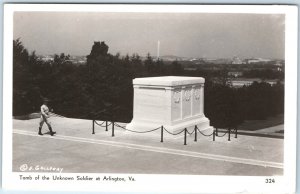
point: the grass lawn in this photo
(252, 125)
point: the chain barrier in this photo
(105, 125)
(173, 133)
(189, 132)
(118, 125)
(221, 135)
(206, 135)
(233, 131)
(229, 131)
(235, 136)
(162, 128)
(101, 125)
(136, 131)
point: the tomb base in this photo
(143, 126)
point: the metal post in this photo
(235, 132)
(228, 134)
(113, 129)
(106, 126)
(184, 136)
(93, 127)
(214, 135)
(195, 133)
(162, 134)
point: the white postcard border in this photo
(162, 183)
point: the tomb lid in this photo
(168, 81)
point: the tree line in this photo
(102, 89)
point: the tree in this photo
(223, 77)
(98, 49)
(103, 88)
(222, 106)
(259, 100)
(159, 67)
(149, 64)
(109, 82)
(176, 68)
(25, 93)
(137, 66)
(98, 56)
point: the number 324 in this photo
(270, 181)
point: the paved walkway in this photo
(76, 149)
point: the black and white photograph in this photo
(121, 96)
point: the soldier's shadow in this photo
(47, 133)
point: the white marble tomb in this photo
(172, 101)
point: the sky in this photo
(193, 35)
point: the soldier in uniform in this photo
(45, 118)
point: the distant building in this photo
(237, 61)
(278, 64)
(235, 73)
(81, 62)
(236, 83)
(47, 58)
(257, 60)
(218, 61)
(172, 58)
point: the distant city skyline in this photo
(191, 35)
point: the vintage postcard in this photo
(150, 98)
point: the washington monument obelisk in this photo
(158, 44)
